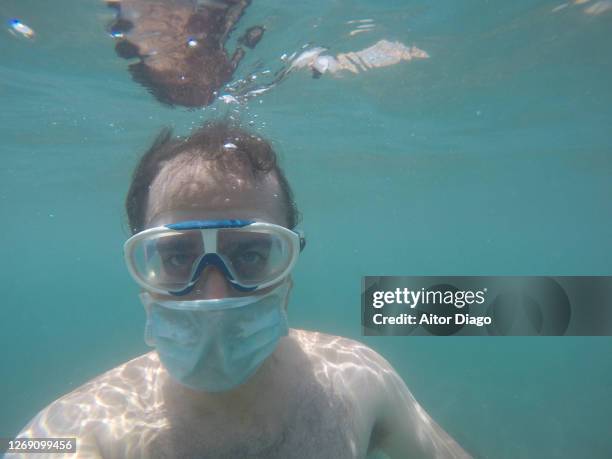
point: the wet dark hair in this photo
(231, 150)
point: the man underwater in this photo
(213, 246)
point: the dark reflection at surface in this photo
(181, 46)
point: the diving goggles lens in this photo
(254, 257)
(170, 260)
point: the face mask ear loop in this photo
(285, 305)
(148, 332)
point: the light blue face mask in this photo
(216, 345)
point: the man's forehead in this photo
(179, 180)
(199, 185)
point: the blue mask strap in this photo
(207, 224)
(215, 260)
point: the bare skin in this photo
(317, 395)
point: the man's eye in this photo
(251, 257)
(179, 260)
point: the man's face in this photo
(192, 190)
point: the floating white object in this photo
(306, 58)
(359, 21)
(19, 28)
(228, 99)
(352, 33)
(599, 7)
(559, 7)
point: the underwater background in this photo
(492, 157)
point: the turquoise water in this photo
(491, 157)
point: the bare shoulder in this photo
(341, 350)
(399, 425)
(349, 365)
(126, 391)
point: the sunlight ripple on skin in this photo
(111, 407)
(337, 388)
(360, 369)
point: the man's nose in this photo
(211, 284)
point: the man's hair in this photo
(229, 149)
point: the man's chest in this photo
(317, 426)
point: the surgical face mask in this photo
(216, 345)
